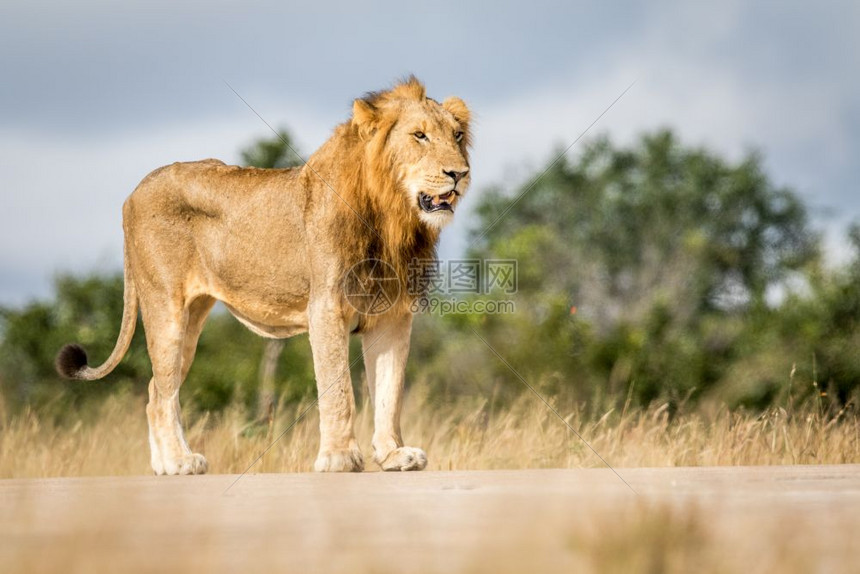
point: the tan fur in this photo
(274, 246)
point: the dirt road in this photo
(679, 519)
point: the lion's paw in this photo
(187, 464)
(404, 458)
(343, 460)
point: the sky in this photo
(96, 94)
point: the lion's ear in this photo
(458, 109)
(364, 117)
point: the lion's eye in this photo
(420, 135)
(458, 136)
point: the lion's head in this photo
(422, 143)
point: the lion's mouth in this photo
(443, 202)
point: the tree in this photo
(86, 310)
(662, 251)
(277, 151)
(624, 228)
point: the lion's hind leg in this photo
(172, 333)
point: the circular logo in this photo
(371, 286)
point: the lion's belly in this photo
(274, 306)
(273, 325)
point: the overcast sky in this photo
(94, 95)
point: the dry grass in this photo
(460, 437)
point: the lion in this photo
(275, 246)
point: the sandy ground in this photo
(800, 518)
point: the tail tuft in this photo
(71, 360)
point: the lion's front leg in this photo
(329, 338)
(386, 349)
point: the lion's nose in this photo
(456, 175)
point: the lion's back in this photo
(211, 215)
(208, 191)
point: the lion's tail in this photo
(71, 361)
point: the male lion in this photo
(275, 246)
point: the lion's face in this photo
(426, 142)
(429, 149)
